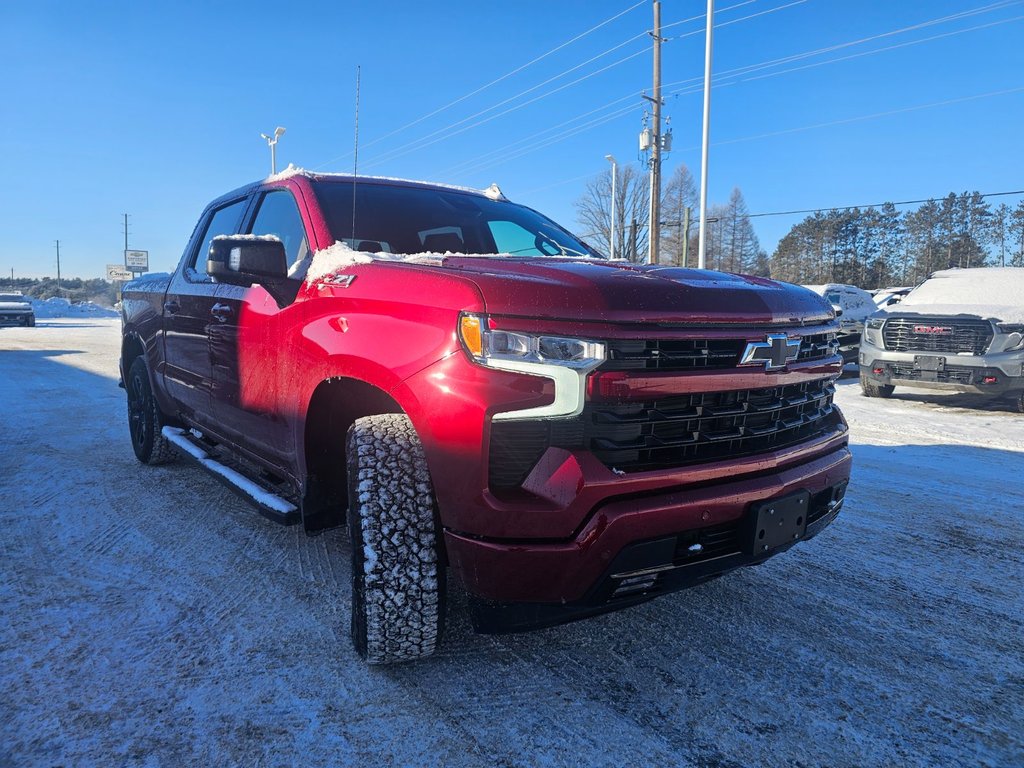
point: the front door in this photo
(246, 343)
(188, 313)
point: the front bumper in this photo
(519, 585)
(18, 317)
(974, 375)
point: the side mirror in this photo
(246, 260)
(838, 310)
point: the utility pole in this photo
(58, 266)
(125, 254)
(654, 230)
(611, 237)
(686, 234)
(706, 135)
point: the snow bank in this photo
(57, 307)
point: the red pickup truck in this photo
(473, 389)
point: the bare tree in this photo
(593, 212)
(680, 193)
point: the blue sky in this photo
(154, 109)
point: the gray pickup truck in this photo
(961, 330)
(16, 308)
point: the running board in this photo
(269, 504)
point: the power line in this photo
(874, 205)
(872, 116)
(397, 153)
(507, 75)
(738, 72)
(446, 132)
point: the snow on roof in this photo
(250, 238)
(493, 191)
(821, 290)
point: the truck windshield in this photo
(411, 220)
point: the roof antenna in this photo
(355, 161)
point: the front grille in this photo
(950, 375)
(671, 432)
(970, 337)
(699, 354)
(690, 429)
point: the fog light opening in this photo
(990, 380)
(878, 371)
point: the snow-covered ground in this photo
(149, 617)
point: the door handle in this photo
(172, 307)
(221, 311)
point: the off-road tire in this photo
(1018, 402)
(145, 421)
(870, 389)
(30, 323)
(398, 588)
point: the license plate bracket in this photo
(930, 363)
(778, 522)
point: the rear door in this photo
(189, 311)
(248, 337)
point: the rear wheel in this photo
(144, 419)
(397, 577)
(870, 389)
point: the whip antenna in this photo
(355, 161)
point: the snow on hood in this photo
(339, 256)
(991, 293)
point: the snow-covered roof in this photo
(821, 290)
(493, 191)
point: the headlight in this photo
(1010, 327)
(566, 361)
(875, 323)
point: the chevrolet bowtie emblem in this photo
(777, 350)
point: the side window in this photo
(278, 215)
(224, 221)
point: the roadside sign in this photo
(118, 272)
(137, 261)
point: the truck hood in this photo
(588, 290)
(998, 313)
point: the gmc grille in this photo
(970, 337)
(671, 432)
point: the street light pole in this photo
(272, 143)
(704, 142)
(611, 237)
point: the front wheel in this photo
(397, 577)
(144, 420)
(870, 389)
(1018, 401)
